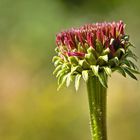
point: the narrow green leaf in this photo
(85, 75)
(77, 81)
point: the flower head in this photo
(93, 50)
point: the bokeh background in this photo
(30, 106)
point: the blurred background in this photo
(30, 106)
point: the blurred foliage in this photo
(30, 106)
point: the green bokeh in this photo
(30, 106)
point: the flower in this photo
(94, 50)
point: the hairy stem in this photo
(97, 104)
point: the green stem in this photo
(97, 104)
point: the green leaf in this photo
(107, 70)
(85, 75)
(77, 81)
(57, 69)
(62, 80)
(130, 73)
(103, 79)
(95, 69)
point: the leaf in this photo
(107, 70)
(77, 81)
(95, 69)
(62, 80)
(130, 73)
(103, 79)
(85, 75)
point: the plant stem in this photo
(97, 96)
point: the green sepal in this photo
(130, 73)
(95, 69)
(130, 54)
(90, 59)
(103, 78)
(99, 46)
(120, 70)
(57, 69)
(61, 80)
(114, 61)
(73, 60)
(76, 69)
(106, 51)
(119, 51)
(68, 80)
(107, 70)
(85, 75)
(132, 70)
(55, 58)
(102, 60)
(84, 64)
(77, 81)
(58, 62)
(80, 48)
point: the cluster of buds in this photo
(93, 50)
